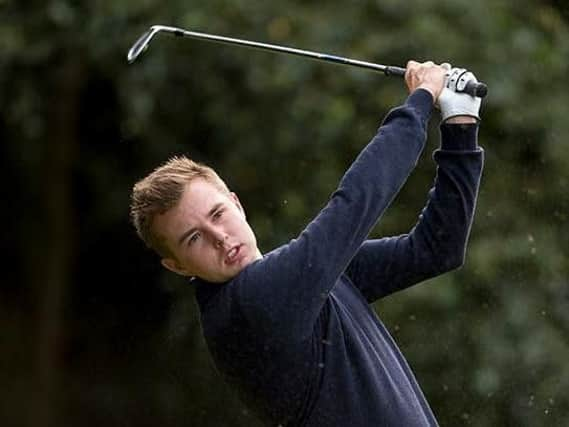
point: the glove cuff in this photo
(454, 112)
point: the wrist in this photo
(461, 120)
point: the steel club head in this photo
(141, 44)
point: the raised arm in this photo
(438, 242)
(287, 288)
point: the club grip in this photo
(472, 88)
(478, 89)
(392, 70)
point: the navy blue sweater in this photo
(294, 334)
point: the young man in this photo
(292, 330)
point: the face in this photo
(207, 233)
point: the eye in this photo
(193, 238)
(218, 214)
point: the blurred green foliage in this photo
(94, 333)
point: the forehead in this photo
(198, 198)
(199, 194)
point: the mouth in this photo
(233, 255)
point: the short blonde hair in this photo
(160, 191)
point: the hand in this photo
(426, 75)
(456, 105)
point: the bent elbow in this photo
(453, 261)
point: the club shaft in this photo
(473, 88)
(388, 70)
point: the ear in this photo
(235, 200)
(172, 265)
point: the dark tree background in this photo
(93, 332)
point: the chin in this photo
(229, 272)
(234, 270)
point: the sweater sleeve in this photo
(286, 290)
(437, 243)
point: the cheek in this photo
(197, 260)
(191, 255)
(246, 231)
(241, 225)
(185, 258)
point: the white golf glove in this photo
(452, 101)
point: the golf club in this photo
(478, 89)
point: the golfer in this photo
(292, 330)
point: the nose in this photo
(220, 240)
(217, 235)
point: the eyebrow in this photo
(191, 230)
